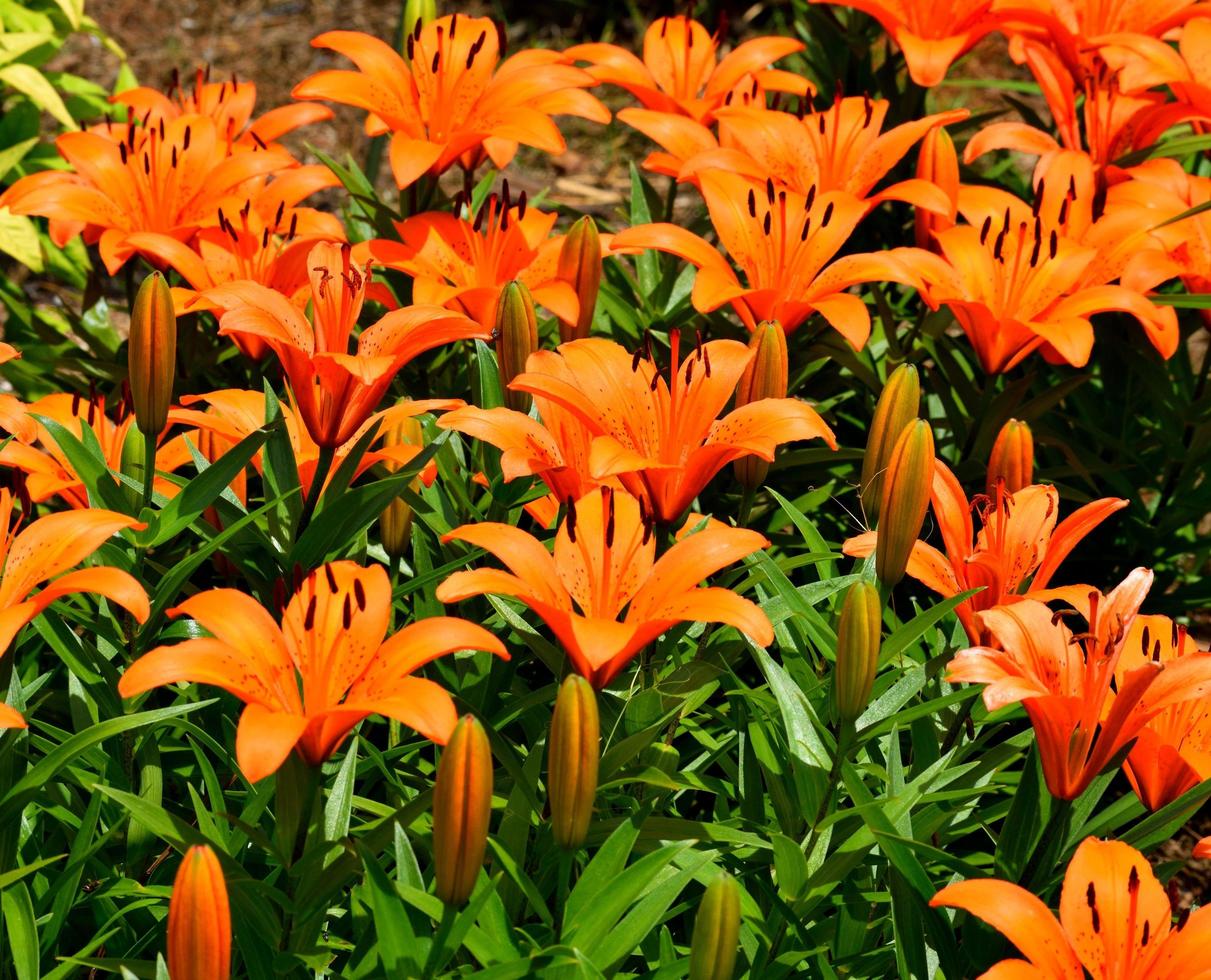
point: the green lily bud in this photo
(462, 809)
(906, 486)
(395, 522)
(766, 376)
(580, 268)
(134, 450)
(897, 406)
(716, 939)
(859, 633)
(417, 13)
(573, 754)
(516, 339)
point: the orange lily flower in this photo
(837, 149)
(680, 72)
(47, 548)
(1090, 110)
(335, 392)
(783, 241)
(1064, 680)
(1019, 540)
(931, 36)
(450, 101)
(1118, 244)
(14, 413)
(605, 562)
(1156, 192)
(1202, 850)
(166, 178)
(232, 414)
(1144, 62)
(463, 264)
(1173, 751)
(265, 241)
(609, 418)
(1018, 283)
(230, 104)
(309, 681)
(1077, 30)
(49, 473)
(1115, 922)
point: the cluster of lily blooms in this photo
(625, 441)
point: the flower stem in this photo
(149, 470)
(322, 467)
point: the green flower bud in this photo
(766, 376)
(906, 486)
(716, 938)
(858, 637)
(516, 339)
(573, 754)
(897, 406)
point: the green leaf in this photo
(22, 931)
(19, 234)
(203, 490)
(41, 772)
(35, 86)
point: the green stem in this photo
(1051, 845)
(746, 506)
(449, 914)
(322, 467)
(670, 199)
(562, 883)
(956, 726)
(149, 469)
(844, 737)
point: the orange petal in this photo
(414, 646)
(1023, 919)
(1104, 914)
(11, 718)
(1069, 533)
(264, 739)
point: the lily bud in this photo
(199, 919)
(766, 376)
(939, 164)
(395, 523)
(416, 12)
(580, 268)
(134, 450)
(897, 406)
(516, 339)
(1012, 458)
(858, 636)
(716, 937)
(462, 808)
(152, 354)
(573, 753)
(906, 487)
